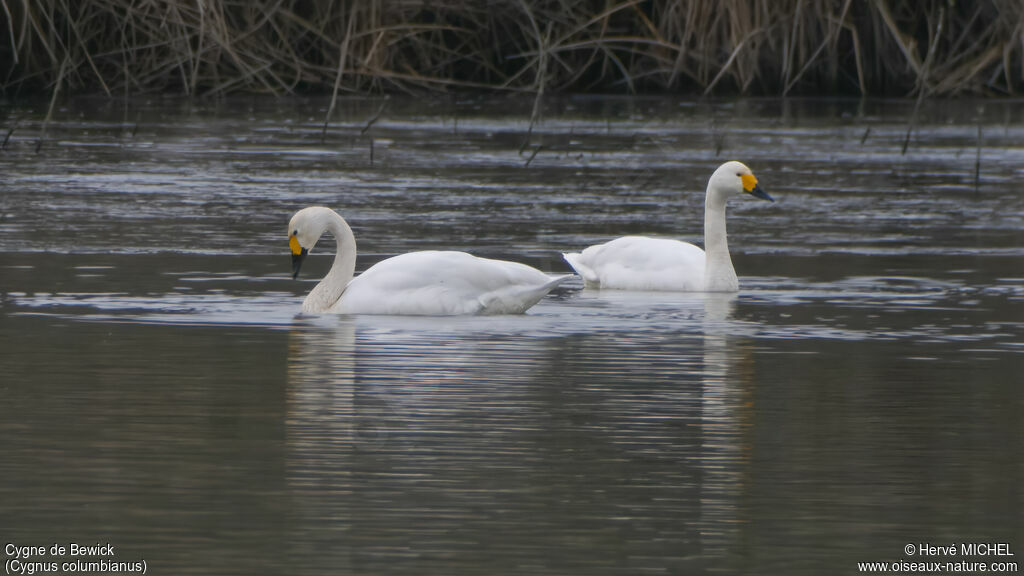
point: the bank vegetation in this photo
(694, 47)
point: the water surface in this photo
(162, 393)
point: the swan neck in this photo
(344, 266)
(719, 275)
(330, 289)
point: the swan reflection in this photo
(725, 449)
(430, 435)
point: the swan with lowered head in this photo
(641, 263)
(417, 283)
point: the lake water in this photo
(161, 393)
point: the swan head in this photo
(734, 178)
(304, 229)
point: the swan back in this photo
(445, 283)
(641, 263)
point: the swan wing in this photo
(641, 263)
(445, 283)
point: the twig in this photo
(905, 44)
(8, 137)
(858, 60)
(828, 40)
(923, 78)
(376, 116)
(534, 155)
(787, 68)
(82, 43)
(977, 163)
(10, 30)
(53, 103)
(342, 56)
(729, 62)
(540, 77)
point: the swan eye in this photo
(295, 233)
(739, 175)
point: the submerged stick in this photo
(717, 137)
(534, 155)
(910, 128)
(977, 163)
(8, 137)
(375, 118)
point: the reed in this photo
(754, 47)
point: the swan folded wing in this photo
(641, 263)
(444, 283)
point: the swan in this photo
(641, 263)
(417, 283)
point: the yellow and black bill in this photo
(298, 255)
(750, 186)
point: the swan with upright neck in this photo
(438, 283)
(642, 263)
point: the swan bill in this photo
(297, 262)
(750, 186)
(756, 192)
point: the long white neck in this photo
(719, 275)
(330, 289)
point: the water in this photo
(161, 393)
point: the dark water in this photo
(863, 391)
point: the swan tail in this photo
(590, 277)
(554, 282)
(519, 299)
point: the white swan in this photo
(641, 263)
(417, 283)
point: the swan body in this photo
(642, 263)
(441, 283)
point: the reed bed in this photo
(753, 47)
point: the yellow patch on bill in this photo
(748, 182)
(293, 243)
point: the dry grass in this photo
(877, 47)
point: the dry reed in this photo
(877, 47)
